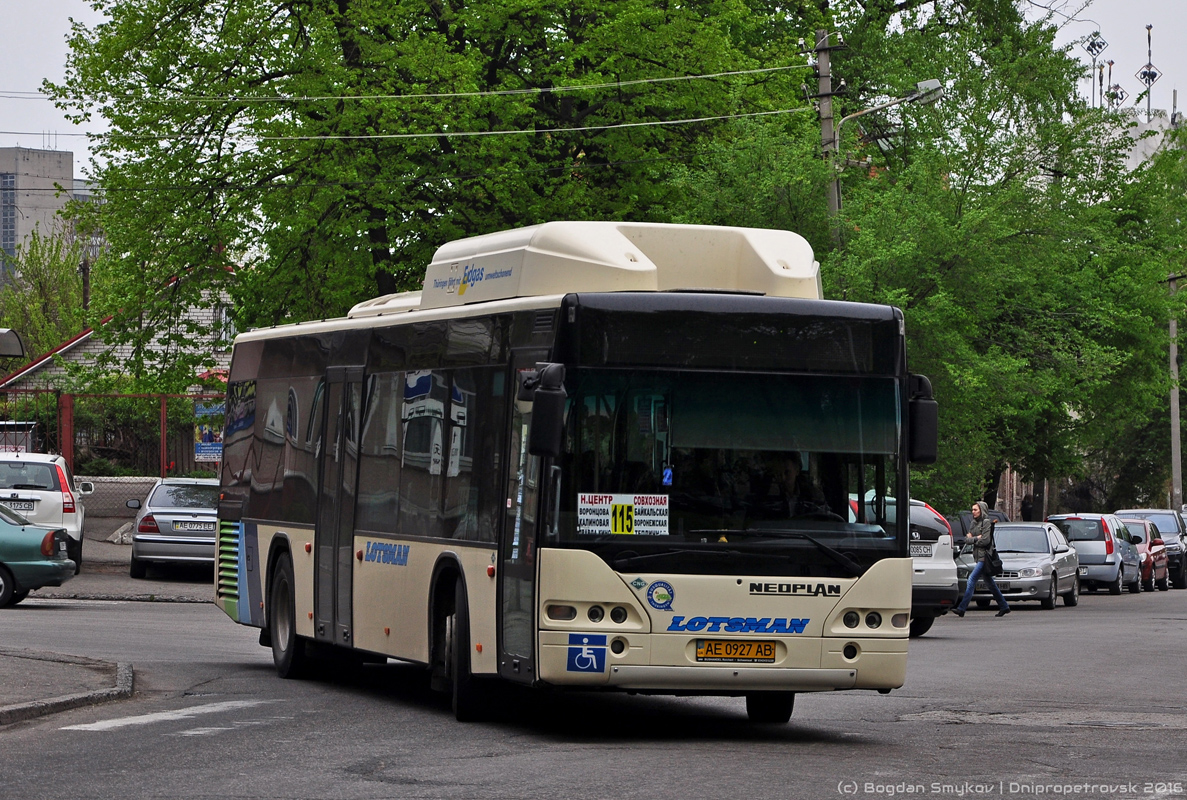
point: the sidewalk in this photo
(33, 684)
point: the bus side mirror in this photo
(547, 432)
(923, 422)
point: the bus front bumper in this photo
(731, 679)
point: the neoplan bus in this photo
(588, 456)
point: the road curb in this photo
(123, 598)
(18, 712)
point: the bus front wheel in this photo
(770, 707)
(288, 649)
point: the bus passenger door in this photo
(334, 536)
(517, 543)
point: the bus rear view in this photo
(696, 457)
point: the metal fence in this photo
(115, 435)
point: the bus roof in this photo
(556, 258)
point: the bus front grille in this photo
(229, 534)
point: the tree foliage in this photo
(320, 147)
(42, 299)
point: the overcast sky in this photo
(35, 49)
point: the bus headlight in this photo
(596, 613)
(851, 619)
(874, 619)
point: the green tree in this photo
(318, 146)
(42, 299)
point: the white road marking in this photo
(166, 716)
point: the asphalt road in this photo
(1081, 702)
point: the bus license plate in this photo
(921, 550)
(19, 505)
(745, 652)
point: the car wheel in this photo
(770, 707)
(1136, 586)
(7, 587)
(983, 603)
(1162, 584)
(1115, 586)
(74, 552)
(1049, 600)
(1148, 585)
(921, 625)
(288, 649)
(137, 568)
(1073, 597)
(1179, 581)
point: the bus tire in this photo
(770, 707)
(288, 649)
(466, 693)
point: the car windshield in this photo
(738, 465)
(184, 496)
(27, 475)
(11, 516)
(1165, 520)
(1076, 529)
(1020, 540)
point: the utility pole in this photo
(1176, 443)
(828, 133)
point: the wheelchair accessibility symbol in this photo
(587, 653)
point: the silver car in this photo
(177, 523)
(1037, 564)
(1107, 558)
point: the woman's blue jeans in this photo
(1002, 605)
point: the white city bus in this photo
(589, 456)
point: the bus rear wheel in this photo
(288, 649)
(770, 707)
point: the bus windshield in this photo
(731, 472)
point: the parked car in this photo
(1107, 558)
(934, 589)
(40, 488)
(1174, 534)
(175, 524)
(31, 556)
(1037, 564)
(1145, 537)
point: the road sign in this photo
(1148, 75)
(1095, 45)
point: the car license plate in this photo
(921, 550)
(1082, 570)
(190, 525)
(748, 652)
(19, 505)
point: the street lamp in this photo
(925, 92)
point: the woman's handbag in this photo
(994, 562)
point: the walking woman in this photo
(981, 535)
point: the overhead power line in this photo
(433, 135)
(233, 98)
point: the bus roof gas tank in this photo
(562, 257)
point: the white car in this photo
(40, 487)
(934, 585)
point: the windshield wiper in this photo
(836, 555)
(28, 486)
(623, 560)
